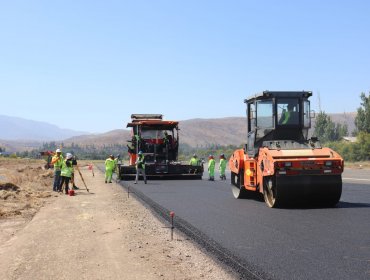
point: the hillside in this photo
(19, 146)
(18, 129)
(345, 118)
(198, 132)
(203, 132)
(194, 132)
(118, 136)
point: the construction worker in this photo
(286, 116)
(140, 167)
(66, 173)
(110, 165)
(137, 142)
(57, 161)
(194, 161)
(117, 162)
(211, 168)
(166, 138)
(117, 159)
(222, 167)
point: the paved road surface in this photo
(326, 243)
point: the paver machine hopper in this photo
(158, 140)
(279, 160)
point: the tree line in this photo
(331, 134)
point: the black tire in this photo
(237, 185)
(272, 194)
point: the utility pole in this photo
(319, 100)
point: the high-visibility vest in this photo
(58, 164)
(211, 164)
(223, 164)
(67, 170)
(110, 164)
(286, 117)
(140, 163)
(194, 161)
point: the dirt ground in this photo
(100, 234)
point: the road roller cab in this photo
(279, 160)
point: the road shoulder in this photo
(102, 234)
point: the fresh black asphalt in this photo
(303, 243)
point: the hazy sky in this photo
(88, 65)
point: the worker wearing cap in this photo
(222, 167)
(57, 161)
(211, 168)
(66, 173)
(110, 165)
(140, 167)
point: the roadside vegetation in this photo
(331, 134)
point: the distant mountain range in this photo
(13, 128)
(18, 134)
(194, 132)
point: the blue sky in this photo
(88, 65)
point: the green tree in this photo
(362, 120)
(324, 127)
(326, 130)
(363, 140)
(341, 130)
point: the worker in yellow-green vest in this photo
(110, 165)
(66, 173)
(194, 161)
(57, 161)
(222, 167)
(286, 117)
(140, 167)
(211, 168)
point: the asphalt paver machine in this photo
(158, 140)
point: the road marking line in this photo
(356, 179)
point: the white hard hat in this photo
(58, 151)
(69, 155)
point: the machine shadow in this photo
(345, 204)
(313, 205)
